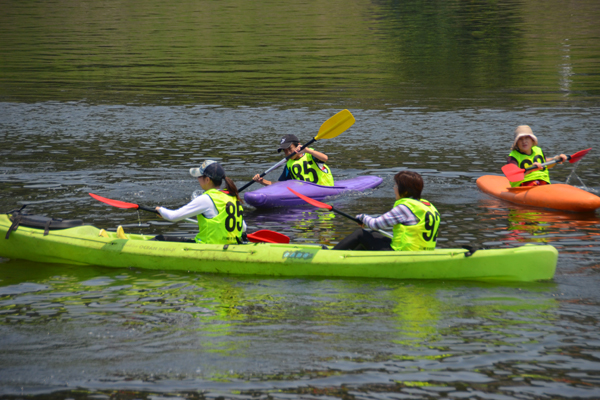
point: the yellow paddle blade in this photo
(336, 125)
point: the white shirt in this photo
(200, 205)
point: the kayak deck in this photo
(278, 195)
(556, 196)
(84, 245)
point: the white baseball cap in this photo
(209, 168)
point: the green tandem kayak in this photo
(84, 245)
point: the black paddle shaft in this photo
(147, 209)
(358, 221)
(287, 158)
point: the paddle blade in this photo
(265, 235)
(114, 203)
(513, 173)
(312, 201)
(335, 125)
(579, 155)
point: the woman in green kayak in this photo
(219, 212)
(415, 221)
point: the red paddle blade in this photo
(513, 173)
(577, 156)
(265, 235)
(114, 203)
(312, 201)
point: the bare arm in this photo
(316, 154)
(561, 158)
(260, 180)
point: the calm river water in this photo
(122, 98)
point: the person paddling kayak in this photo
(415, 221)
(525, 153)
(307, 164)
(220, 219)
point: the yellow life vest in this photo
(525, 161)
(307, 168)
(421, 236)
(226, 226)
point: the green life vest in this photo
(421, 236)
(525, 161)
(226, 226)
(306, 168)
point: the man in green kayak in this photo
(415, 221)
(525, 153)
(306, 164)
(219, 212)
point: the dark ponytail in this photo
(232, 189)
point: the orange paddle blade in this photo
(312, 201)
(114, 203)
(513, 173)
(265, 235)
(577, 156)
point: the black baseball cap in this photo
(286, 142)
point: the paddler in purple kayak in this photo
(306, 164)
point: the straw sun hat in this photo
(522, 131)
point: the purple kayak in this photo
(277, 194)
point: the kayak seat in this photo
(41, 222)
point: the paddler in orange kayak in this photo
(526, 153)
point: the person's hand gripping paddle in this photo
(330, 129)
(515, 174)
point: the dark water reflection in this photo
(124, 330)
(408, 53)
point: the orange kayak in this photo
(557, 195)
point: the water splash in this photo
(574, 175)
(196, 193)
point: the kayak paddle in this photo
(263, 235)
(122, 204)
(329, 129)
(516, 174)
(326, 206)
